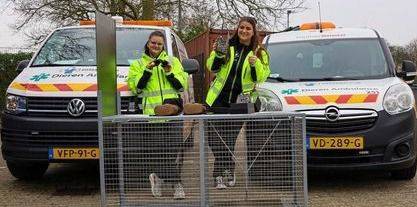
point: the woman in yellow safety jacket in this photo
(159, 78)
(238, 69)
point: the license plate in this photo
(74, 153)
(336, 143)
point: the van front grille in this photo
(57, 106)
(50, 138)
(350, 120)
(341, 126)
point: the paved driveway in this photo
(78, 185)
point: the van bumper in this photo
(28, 139)
(381, 150)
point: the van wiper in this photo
(280, 79)
(51, 64)
(332, 78)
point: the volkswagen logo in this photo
(76, 107)
(332, 113)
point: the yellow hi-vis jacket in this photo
(158, 88)
(248, 85)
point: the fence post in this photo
(304, 131)
(120, 166)
(101, 150)
(203, 163)
(293, 158)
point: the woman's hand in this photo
(220, 45)
(167, 69)
(150, 65)
(252, 60)
(166, 66)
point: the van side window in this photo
(179, 47)
(175, 51)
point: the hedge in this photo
(8, 63)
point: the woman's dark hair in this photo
(254, 43)
(157, 33)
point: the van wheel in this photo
(27, 170)
(405, 174)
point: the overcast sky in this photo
(394, 20)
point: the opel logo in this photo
(76, 107)
(332, 114)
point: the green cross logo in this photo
(289, 91)
(39, 77)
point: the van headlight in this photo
(268, 99)
(15, 104)
(398, 98)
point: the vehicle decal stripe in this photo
(122, 87)
(291, 100)
(47, 87)
(92, 87)
(371, 98)
(343, 99)
(61, 87)
(357, 98)
(32, 87)
(79, 86)
(305, 99)
(326, 99)
(331, 98)
(18, 86)
(319, 99)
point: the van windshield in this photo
(77, 47)
(348, 59)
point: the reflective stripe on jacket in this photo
(261, 68)
(158, 88)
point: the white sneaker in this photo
(220, 183)
(179, 192)
(155, 185)
(230, 178)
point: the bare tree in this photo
(195, 14)
(399, 53)
(148, 9)
(411, 49)
(407, 52)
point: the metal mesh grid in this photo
(264, 152)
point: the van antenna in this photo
(320, 26)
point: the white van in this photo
(51, 107)
(360, 111)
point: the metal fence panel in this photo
(265, 152)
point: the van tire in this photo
(27, 170)
(405, 174)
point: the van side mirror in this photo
(22, 65)
(408, 71)
(190, 66)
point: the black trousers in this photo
(222, 137)
(162, 143)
